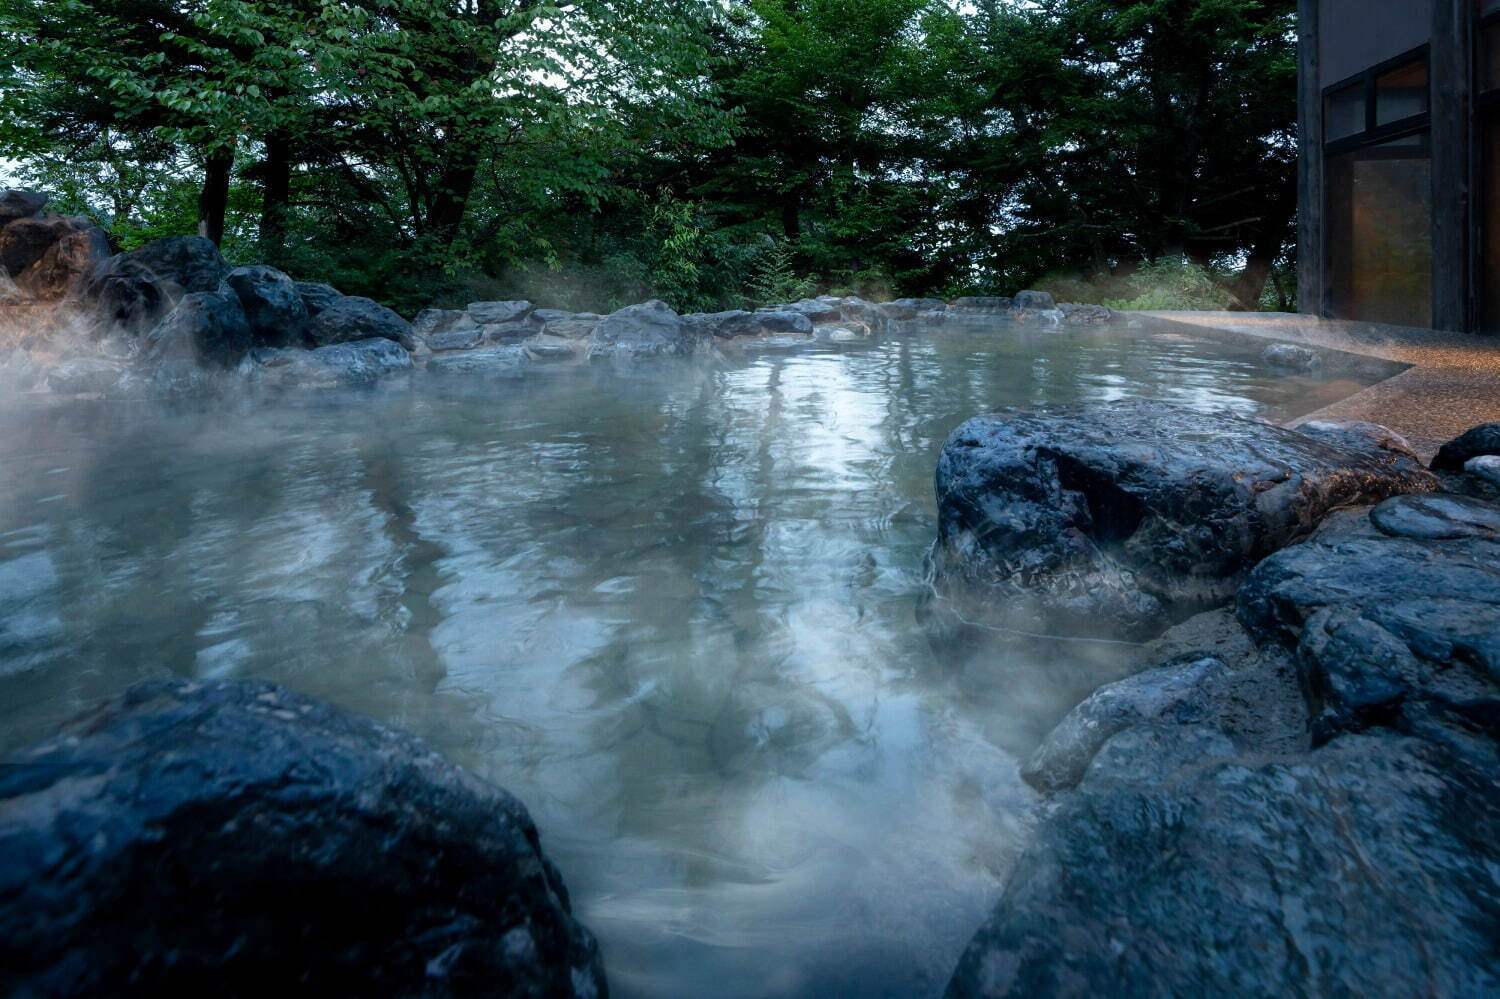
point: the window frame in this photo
(1374, 134)
(1483, 98)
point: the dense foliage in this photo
(591, 152)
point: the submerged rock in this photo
(1291, 357)
(354, 318)
(1117, 520)
(236, 838)
(638, 332)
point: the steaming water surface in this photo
(672, 611)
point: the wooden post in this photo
(1452, 61)
(1311, 267)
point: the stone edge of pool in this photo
(1433, 385)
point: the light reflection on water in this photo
(672, 611)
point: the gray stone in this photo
(197, 837)
(496, 313)
(981, 305)
(855, 311)
(1486, 467)
(464, 337)
(507, 361)
(1118, 519)
(353, 318)
(354, 364)
(433, 321)
(1483, 439)
(818, 310)
(553, 348)
(85, 376)
(272, 305)
(840, 334)
(1291, 357)
(20, 205)
(576, 327)
(908, 309)
(639, 332)
(1437, 518)
(1085, 315)
(317, 298)
(205, 327)
(1034, 301)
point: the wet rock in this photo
(981, 305)
(317, 298)
(840, 334)
(499, 313)
(1356, 435)
(854, 311)
(908, 309)
(430, 322)
(553, 348)
(1155, 752)
(20, 205)
(818, 310)
(1085, 315)
(85, 376)
(1390, 627)
(354, 364)
(206, 328)
(1486, 467)
(465, 337)
(1482, 440)
(571, 325)
(489, 361)
(1291, 357)
(638, 332)
(131, 292)
(50, 256)
(1437, 518)
(25, 241)
(740, 323)
(1179, 693)
(353, 318)
(1034, 301)
(240, 839)
(1365, 868)
(272, 304)
(1117, 520)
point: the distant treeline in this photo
(710, 154)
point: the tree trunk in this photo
(1251, 283)
(213, 202)
(276, 192)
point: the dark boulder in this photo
(638, 332)
(206, 327)
(26, 241)
(353, 318)
(1291, 357)
(20, 205)
(237, 839)
(49, 256)
(1395, 618)
(317, 298)
(131, 292)
(272, 304)
(1483, 439)
(1364, 868)
(1116, 520)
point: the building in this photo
(1400, 162)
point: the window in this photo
(1344, 112)
(1401, 93)
(1380, 232)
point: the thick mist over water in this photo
(671, 610)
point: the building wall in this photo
(1357, 34)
